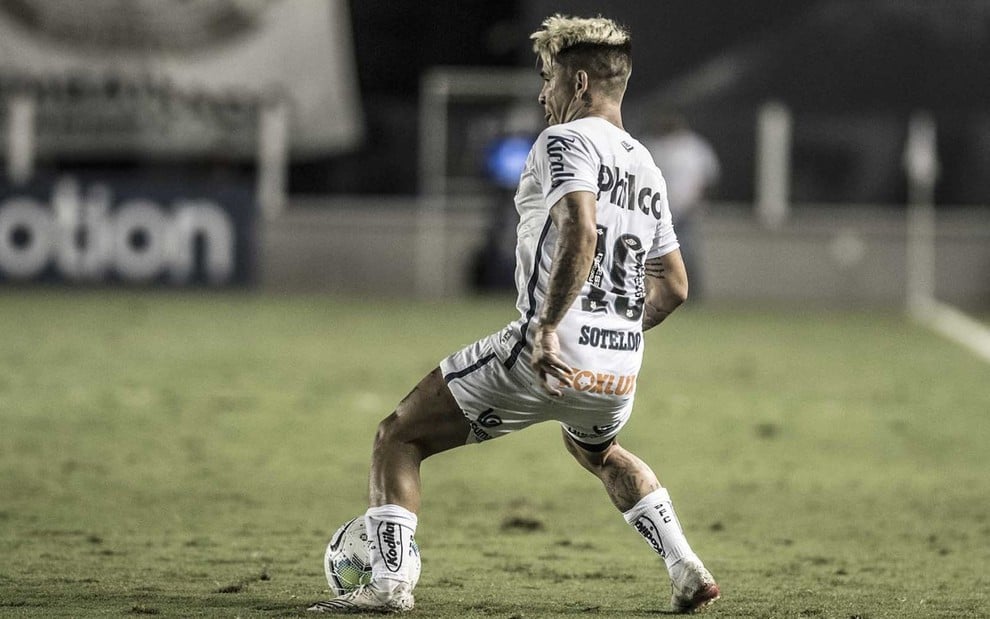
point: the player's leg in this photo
(426, 422)
(634, 489)
(626, 478)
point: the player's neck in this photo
(611, 113)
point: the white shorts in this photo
(497, 400)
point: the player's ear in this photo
(580, 82)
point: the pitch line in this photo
(956, 326)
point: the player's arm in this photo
(574, 217)
(666, 287)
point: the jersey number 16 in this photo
(625, 276)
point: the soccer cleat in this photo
(368, 599)
(693, 585)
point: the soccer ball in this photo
(347, 561)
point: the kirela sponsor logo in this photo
(649, 531)
(556, 146)
(390, 543)
(138, 240)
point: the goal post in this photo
(439, 88)
(922, 168)
(21, 119)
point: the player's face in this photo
(557, 96)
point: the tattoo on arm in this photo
(653, 268)
(565, 283)
(663, 294)
(652, 316)
(572, 258)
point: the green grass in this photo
(189, 455)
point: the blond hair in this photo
(560, 33)
(599, 46)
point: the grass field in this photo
(189, 455)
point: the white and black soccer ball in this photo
(347, 561)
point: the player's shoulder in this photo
(591, 135)
(566, 142)
(571, 133)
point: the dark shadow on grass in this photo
(86, 604)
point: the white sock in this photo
(653, 517)
(390, 533)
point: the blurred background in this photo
(212, 212)
(825, 152)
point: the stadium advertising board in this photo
(122, 230)
(176, 78)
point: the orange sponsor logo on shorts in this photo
(602, 382)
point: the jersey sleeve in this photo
(664, 239)
(567, 163)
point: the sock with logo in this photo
(390, 533)
(653, 517)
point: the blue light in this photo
(506, 158)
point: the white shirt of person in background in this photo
(688, 164)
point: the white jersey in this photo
(601, 335)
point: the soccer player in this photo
(597, 263)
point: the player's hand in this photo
(546, 360)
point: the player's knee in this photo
(593, 461)
(388, 432)
(396, 433)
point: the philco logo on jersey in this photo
(621, 186)
(390, 543)
(556, 146)
(601, 382)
